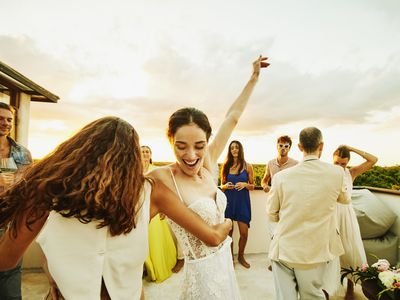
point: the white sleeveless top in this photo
(80, 255)
(208, 271)
(212, 211)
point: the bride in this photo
(208, 272)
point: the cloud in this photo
(283, 94)
(23, 54)
(210, 81)
(207, 73)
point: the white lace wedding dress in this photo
(208, 271)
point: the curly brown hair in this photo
(95, 175)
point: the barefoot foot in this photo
(243, 262)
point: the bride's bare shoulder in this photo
(161, 173)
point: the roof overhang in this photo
(12, 80)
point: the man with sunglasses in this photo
(283, 161)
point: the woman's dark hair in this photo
(96, 175)
(229, 161)
(144, 146)
(186, 116)
(342, 152)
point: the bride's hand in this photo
(258, 64)
(223, 229)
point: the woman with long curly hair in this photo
(94, 204)
(237, 179)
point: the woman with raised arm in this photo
(237, 180)
(208, 271)
(94, 204)
(354, 255)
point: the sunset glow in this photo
(334, 64)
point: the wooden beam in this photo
(27, 82)
(12, 84)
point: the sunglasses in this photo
(286, 146)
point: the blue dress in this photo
(238, 206)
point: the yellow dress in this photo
(162, 250)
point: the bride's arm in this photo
(163, 200)
(233, 115)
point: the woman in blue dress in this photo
(237, 180)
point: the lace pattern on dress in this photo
(208, 271)
(212, 212)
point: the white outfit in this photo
(80, 255)
(310, 281)
(354, 253)
(303, 201)
(208, 271)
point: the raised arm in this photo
(163, 200)
(370, 161)
(232, 116)
(12, 248)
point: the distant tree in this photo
(382, 177)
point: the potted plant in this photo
(379, 281)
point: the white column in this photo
(22, 130)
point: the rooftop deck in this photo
(255, 283)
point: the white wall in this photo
(258, 239)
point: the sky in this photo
(335, 64)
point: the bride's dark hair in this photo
(187, 116)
